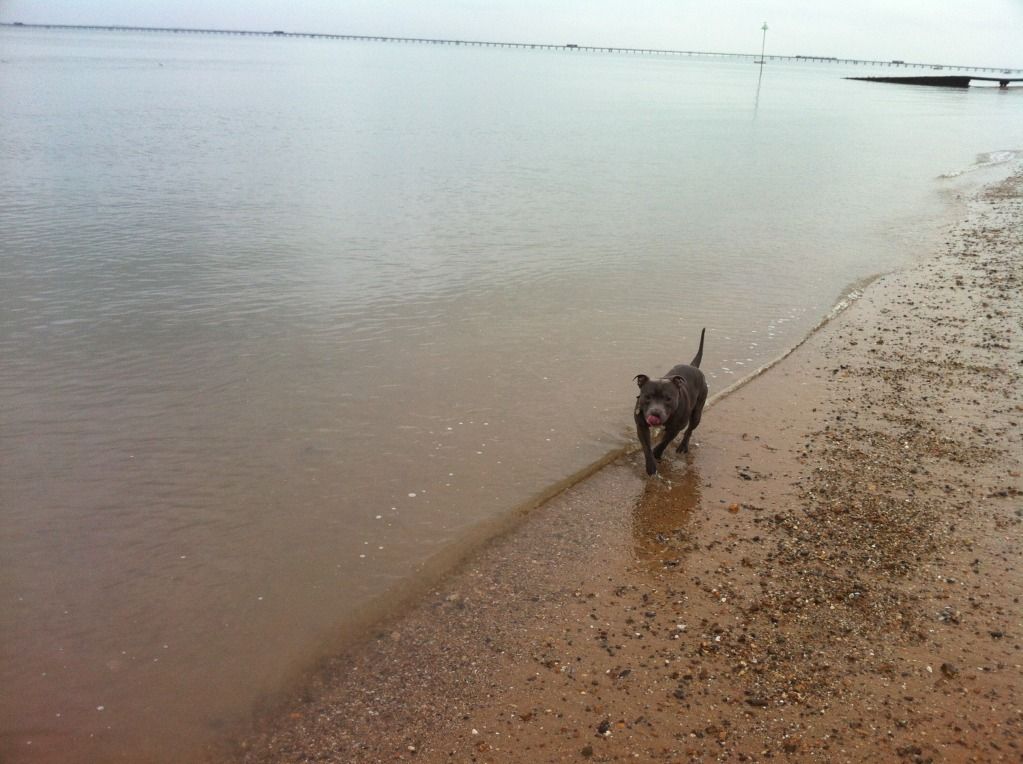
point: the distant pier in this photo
(567, 47)
(951, 81)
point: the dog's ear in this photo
(679, 382)
(641, 379)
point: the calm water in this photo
(280, 320)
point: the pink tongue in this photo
(653, 421)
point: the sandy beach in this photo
(831, 574)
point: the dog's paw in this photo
(651, 468)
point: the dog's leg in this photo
(643, 431)
(683, 447)
(670, 432)
(694, 422)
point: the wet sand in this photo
(832, 574)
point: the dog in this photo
(674, 402)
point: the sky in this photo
(973, 33)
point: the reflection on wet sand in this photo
(662, 517)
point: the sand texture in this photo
(831, 574)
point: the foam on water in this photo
(984, 161)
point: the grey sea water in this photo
(282, 320)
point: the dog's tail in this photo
(699, 353)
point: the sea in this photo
(288, 325)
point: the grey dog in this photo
(674, 402)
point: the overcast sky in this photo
(975, 32)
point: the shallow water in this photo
(281, 320)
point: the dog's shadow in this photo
(662, 517)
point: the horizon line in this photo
(498, 43)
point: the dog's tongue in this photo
(653, 421)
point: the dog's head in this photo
(658, 399)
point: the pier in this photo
(952, 81)
(565, 47)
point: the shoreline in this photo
(447, 561)
(740, 611)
